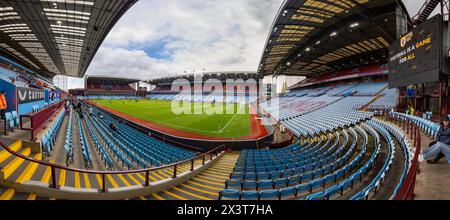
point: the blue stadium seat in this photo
(249, 185)
(288, 193)
(249, 195)
(269, 195)
(229, 194)
(265, 184)
(231, 183)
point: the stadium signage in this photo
(416, 56)
(27, 95)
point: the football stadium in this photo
(367, 120)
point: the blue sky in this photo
(160, 38)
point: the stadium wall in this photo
(28, 107)
(25, 108)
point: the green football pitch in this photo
(227, 121)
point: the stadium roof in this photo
(118, 80)
(205, 76)
(310, 37)
(57, 36)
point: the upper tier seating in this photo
(369, 89)
(107, 97)
(304, 101)
(109, 87)
(12, 77)
(388, 100)
(295, 106)
(240, 98)
(336, 115)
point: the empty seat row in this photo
(108, 162)
(288, 192)
(68, 146)
(49, 138)
(319, 163)
(156, 152)
(106, 137)
(296, 159)
(12, 120)
(326, 174)
(84, 144)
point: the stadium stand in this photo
(48, 140)
(321, 169)
(429, 127)
(388, 100)
(155, 153)
(338, 148)
(107, 86)
(339, 114)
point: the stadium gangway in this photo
(214, 153)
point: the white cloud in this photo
(215, 35)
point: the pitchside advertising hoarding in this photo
(416, 56)
(27, 95)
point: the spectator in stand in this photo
(3, 105)
(91, 111)
(67, 106)
(80, 112)
(441, 145)
(411, 110)
(113, 127)
(79, 106)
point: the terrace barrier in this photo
(38, 119)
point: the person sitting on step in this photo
(441, 145)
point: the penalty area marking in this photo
(231, 119)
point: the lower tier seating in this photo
(329, 167)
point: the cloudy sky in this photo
(158, 38)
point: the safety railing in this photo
(175, 167)
(5, 122)
(38, 119)
(406, 191)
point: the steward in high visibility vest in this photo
(3, 105)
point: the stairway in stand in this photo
(18, 170)
(204, 186)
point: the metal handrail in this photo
(215, 151)
(34, 127)
(406, 191)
